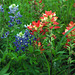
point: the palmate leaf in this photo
(5, 69)
(59, 44)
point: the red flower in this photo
(38, 39)
(53, 19)
(39, 43)
(55, 23)
(63, 33)
(44, 37)
(48, 13)
(67, 44)
(36, 24)
(43, 33)
(74, 41)
(42, 17)
(68, 40)
(42, 49)
(71, 22)
(46, 30)
(51, 27)
(30, 27)
(45, 15)
(32, 33)
(56, 27)
(40, 1)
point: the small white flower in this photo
(27, 25)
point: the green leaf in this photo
(5, 69)
(22, 56)
(29, 68)
(31, 49)
(14, 56)
(7, 74)
(61, 52)
(47, 64)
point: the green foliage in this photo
(33, 62)
(5, 69)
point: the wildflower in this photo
(56, 27)
(22, 40)
(35, 26)
(10, 25)
(6, 34)
(18, 15)
(51, 27)
(71, 34)
(55, 23)
(40, 1)
(11, 19)
(3, 36)
(48, 13)
(18, 22)
(13, 8)
(1, 9)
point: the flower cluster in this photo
(47, 23)
(1, 9)
(23, 40)
(71, 35)
(50, 18)
(6, 34)
(13, 8)
(35, 26)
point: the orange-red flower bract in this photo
(48, 13)
(56, 27)
(71, 35)
(40, 1)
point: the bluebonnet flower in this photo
(1, 9)
(3, 36)
(6, 34)
(22, 40)
(10, 25)
(13, 19)
(18, 22)
(13, 8)
(18, 15)
(23, 48)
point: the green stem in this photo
(50, 31)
